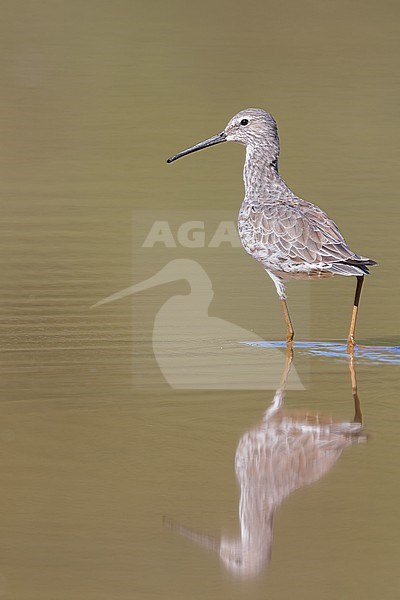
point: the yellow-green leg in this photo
(351, 341)
(289, 326)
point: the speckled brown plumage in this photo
(290, 237)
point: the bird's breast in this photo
(256, 238)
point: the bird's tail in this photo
(353, 266)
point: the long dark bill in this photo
(216, 139)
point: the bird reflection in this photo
(284, 452)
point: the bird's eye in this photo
(244, 122)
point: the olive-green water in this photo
(106, 426)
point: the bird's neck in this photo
(261, 177)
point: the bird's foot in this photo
(350, 344)
(289, 336)
(289, 345)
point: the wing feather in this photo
(298, 231)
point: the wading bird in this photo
(290, 237)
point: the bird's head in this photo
(253, 127)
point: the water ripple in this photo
(338, 350)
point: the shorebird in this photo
(290, 237)
(197, 351)
(286, 451)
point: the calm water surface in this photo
(97, 447)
